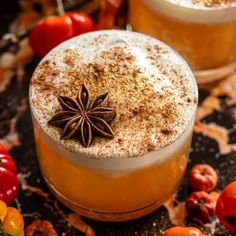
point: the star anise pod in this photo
(84, 118)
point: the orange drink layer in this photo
(154, 95)
(110, 191)
(205, 35)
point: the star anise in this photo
(84, 118)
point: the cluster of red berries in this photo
(202, 205)
(9, 186)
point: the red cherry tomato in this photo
(202, 177)
(183, 231)
(53, 30)
(3, 149)
(226, 207)
(7, 162)
(9, 186)
(200, 205)
(82, 23)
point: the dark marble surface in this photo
(36, 202)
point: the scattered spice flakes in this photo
(132, 93)
(70, 57)
(166, 131)
(117, 61)
(96, 69)
(155, 50)
(47, 71)
(213, 3)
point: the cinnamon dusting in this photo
(212, 3)
(149, 111)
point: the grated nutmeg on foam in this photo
(151, 89)
(205, 3)
(214, 3)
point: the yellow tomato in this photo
(11, 220)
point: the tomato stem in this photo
(60, 7)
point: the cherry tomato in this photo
(200, 205)
(82, 23)
(9, 186)
(12, 222)
(3, 149)
(226, 207)
(53, 30)
(202, 177)
(7, 162)
(183, 231)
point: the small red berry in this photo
(53, 30)
(3, 150)
(226, 207)
(9, 186)
(9, 190)
(200, 205)
(202, 177)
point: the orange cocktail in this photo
(202, 31)
(154, 94)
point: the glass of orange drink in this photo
(113, 113)
(202, 31)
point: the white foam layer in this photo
(151, 88)
(186, 11)
(123, 166)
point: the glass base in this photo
(212, 75)
(103, 215)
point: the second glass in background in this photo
(205, 35)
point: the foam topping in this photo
(150, 87)
(205, 3)
(196, 11)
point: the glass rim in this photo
(205, 15)
(190, 118)
(119, 164)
